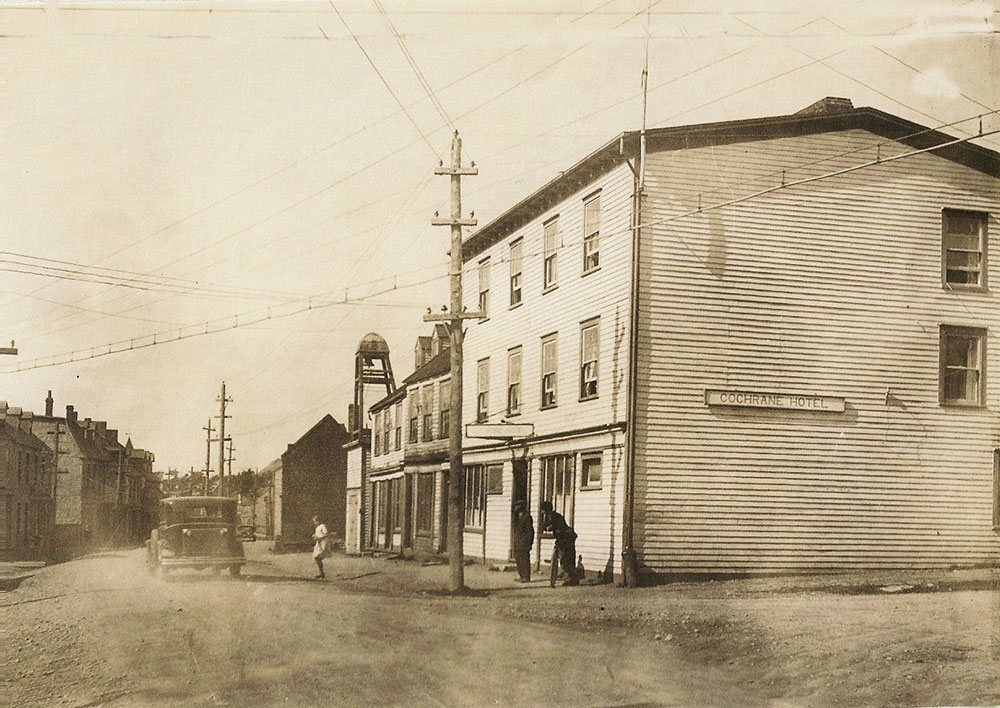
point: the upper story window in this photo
(484, 286)
(589, 351)
(516, 259)
(551, 245)
(963, 247)
(514, 381)
(962, 379)
(377, 425)
(592, 233)
(399, 425)
(483, 391)
(428, 409)
(414, 431)
(386, 428)
(444, 408)
(549, 371)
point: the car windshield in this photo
(204, 512)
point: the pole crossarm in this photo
(456, 170)
(454, 222)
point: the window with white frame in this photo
(483, 390)
(590, 470)
(399, 425)
(514, 381)
(475, 496)
(516, 260)
(962, 380)
(377, 437)
(549, 371)
(484, 286)
(592, 233)
(413, 402)
(550, 249)
(558, 484)
(963, 249)
(428, 411)
(386, 428)
(589, 351)
(444, 408)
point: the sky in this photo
(255, 180)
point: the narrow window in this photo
(483, 391)
(590, 470)
(592, 233)
(386, 429)
(414, 404)
(516, 258)
(962, 366)
(494, 479)
(484, 286)
(428, 409)
(558, 484)
(378, 433)
(551, 249)
(475, 496)
(963, 249)
(444, 412)
(425, 504)
(514, 381)
(549, 371)
(589, 349)
(399, 425)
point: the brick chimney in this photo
(70, 414)
(112, 435)
(101, 427)
(48, 405)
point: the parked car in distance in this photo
(196, 532)
(248, 532)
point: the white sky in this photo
(254, 146)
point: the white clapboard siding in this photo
(414, 398)
(603, 293)
(829, 288)
(355, 457)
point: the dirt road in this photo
(101, 631)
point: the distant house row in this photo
(68, 486)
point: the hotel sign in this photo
(783, 401)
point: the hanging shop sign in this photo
(782, 401)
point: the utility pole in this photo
(456, 472)
(229, 460)
(208, 452)
(222, 438)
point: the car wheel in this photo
(234, 570)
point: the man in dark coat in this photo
(524, 538)
(565, 537)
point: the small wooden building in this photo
(756, 346)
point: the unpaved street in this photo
(100, 631)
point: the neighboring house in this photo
(775, 360)
(27, 504)
(137, 477)
(312, 480)
(409, 463)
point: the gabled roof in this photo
(824, 116)
(439, 365)
(19, 437)
(325, 421)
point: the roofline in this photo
(626, 145)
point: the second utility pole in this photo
(222, 439)
(456, 473)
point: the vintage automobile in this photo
(196, 532)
